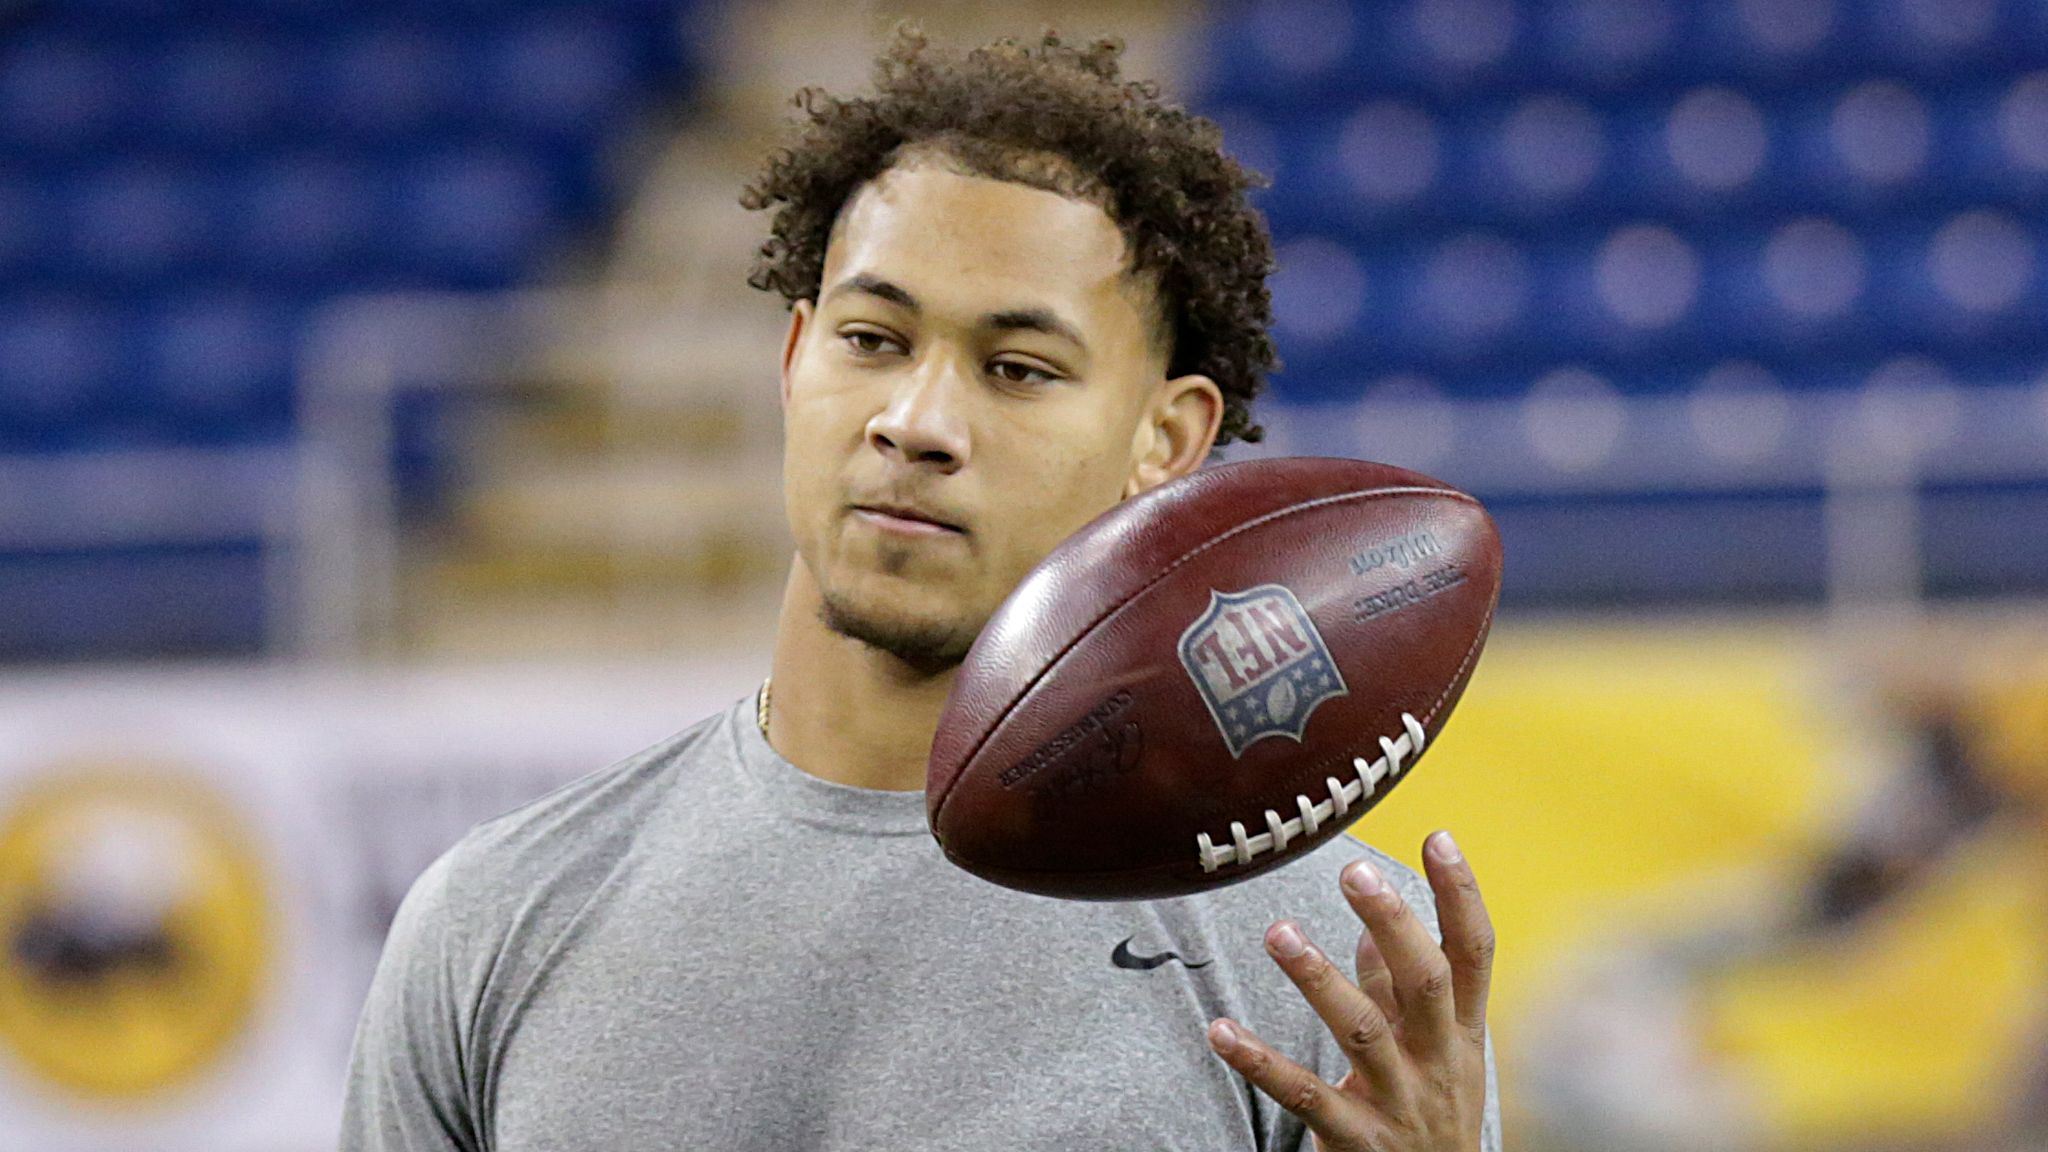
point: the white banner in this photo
(198, 865)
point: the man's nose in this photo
(926, 419)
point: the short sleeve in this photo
(405, 1082)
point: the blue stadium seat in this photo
(60, 94)
(388, 83)
(476, 216)
(2001, 149)
(1273, 54)
(25, 227)
(139, 223)
(59, 357)
(1799, 286)
(1540, 154)
(560, 73)
(309, 220)
(222, 90)
(220, 362)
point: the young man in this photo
(1021, 291)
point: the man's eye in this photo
(868, 343)
(1016, 372)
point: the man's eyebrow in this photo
(1035, 320)
(1008, 320)
(869, 284)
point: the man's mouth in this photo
(906, 519)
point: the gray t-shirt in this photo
(703, 947)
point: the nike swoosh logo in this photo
(1123, 957)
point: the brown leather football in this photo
(1212, 679)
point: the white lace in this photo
(1280, 831)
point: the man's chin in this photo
(928, 644)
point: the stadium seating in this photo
(1472, 196)
(184, 183)
(1633, 185)
(1553, 215)
(294, 150)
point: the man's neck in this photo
(843, 711)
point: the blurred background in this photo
(387, 435)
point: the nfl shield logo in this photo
(1260, 665)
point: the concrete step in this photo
(454, 619)
(635, 505)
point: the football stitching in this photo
(1279, 832)
(1278, 513)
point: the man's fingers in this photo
(1468, 930)
(1421, 974)
(1373, 978)
(1361, 1029)
(1327, 1112)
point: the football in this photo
(1212, 679)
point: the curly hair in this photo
(1054, 116)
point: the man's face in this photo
(975, 382)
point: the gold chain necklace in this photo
(761, 706)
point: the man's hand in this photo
(1414, 1025)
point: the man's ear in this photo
(1176, 434)
(799, 319)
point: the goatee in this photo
(928, 646)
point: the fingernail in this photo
(1363, 880)
(1288, 941)
(1444, 848)
(1223, 1035)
